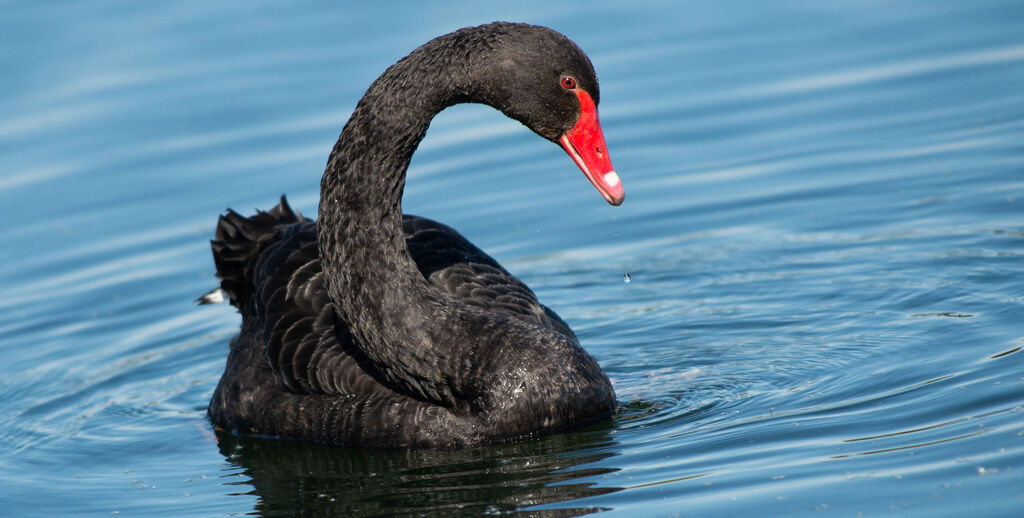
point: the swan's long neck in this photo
(405, 326)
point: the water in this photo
(822, 233)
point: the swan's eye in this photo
(568, 82)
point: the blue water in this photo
(823, 234)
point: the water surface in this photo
(822, 234)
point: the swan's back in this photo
(292, 342)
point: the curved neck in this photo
(395, 316)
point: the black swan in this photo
(373, 328)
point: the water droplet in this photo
(626, 278)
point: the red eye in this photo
(568, 83)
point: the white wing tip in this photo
(214, 296)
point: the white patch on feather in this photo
(214, 296)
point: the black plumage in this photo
(370, 328)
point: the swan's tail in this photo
(239, 242)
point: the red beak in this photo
(585, 144)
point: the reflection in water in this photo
(295, 479)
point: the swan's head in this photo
(542, 79)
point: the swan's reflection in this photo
(295, 479)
